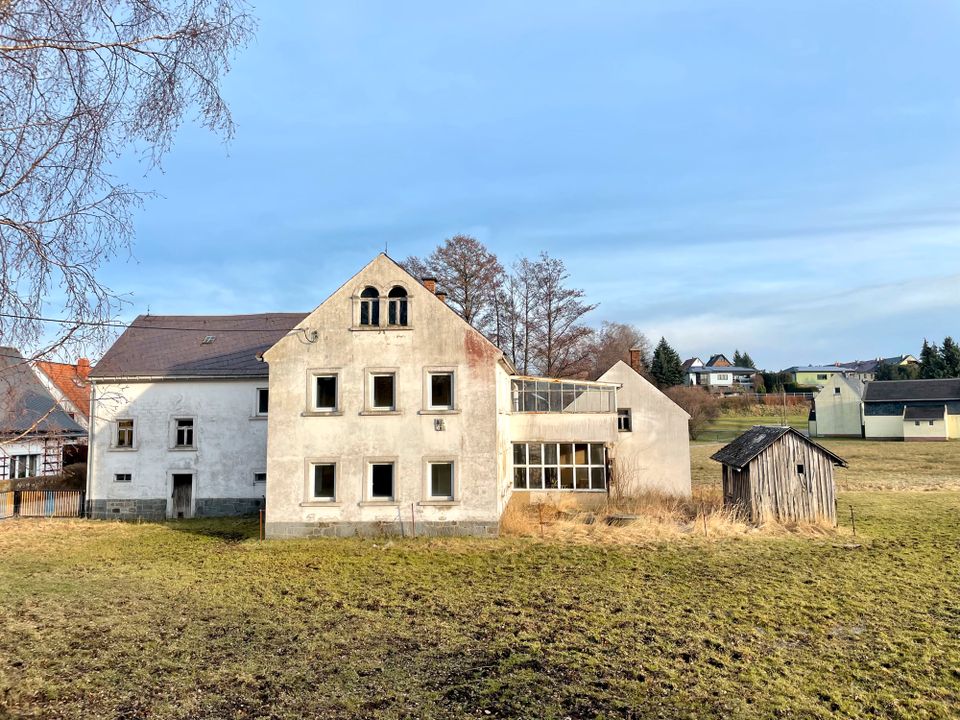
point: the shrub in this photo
(701, 406)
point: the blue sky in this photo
(784, 180)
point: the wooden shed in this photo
(775, 473)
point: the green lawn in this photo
(198, 620)
(726, 427)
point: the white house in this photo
(385, 410)
(388, 410)
(717, 372)
(179, 407)
(838, 408)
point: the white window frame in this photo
(629, 417)
(428, 465)
(368, 480)
(312, 375)
(257, 412)
(428, 375)
(359, 302)
(116, 434)
(371, 374)
(310, 489)
(175, 432)
(26, 460)
(525, 467)
(128, 476)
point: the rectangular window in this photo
(122, 477)
(184, 433)
(822, 376)
(381, 481)
(24, 466)
(799, 468)
(325, 481)
(559, 466)
(917, 423)
(931, 423)
(259, 478)
(125, 433)
(263, 400)
(325, 393)
(383, 391)
(836, 391)
(624, 420)
(441, 480)
(441, 391)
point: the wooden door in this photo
(182, 496)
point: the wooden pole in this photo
(540, 517)
(853, 521)
(261, 525)
(413, 520)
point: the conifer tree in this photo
(746, 361)
(931, 361)
(666, 367)
(950, 355)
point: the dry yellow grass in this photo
(648, 518)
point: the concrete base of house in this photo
(155, 509)
(227, 507)
(925, 439)
(453, 528)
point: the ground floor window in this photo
(381, 481)
(23, 466)
(324, 481)
(441, 480)
(559, 466)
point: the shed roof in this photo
(26, 406)
(173, 346)
(928, 412)
(754, 441)
(907, 390)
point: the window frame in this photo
(116, 434)
(559, 466)
(368, 496)
(428, 374)
(373, 303)
(368, 391)
(429, 497)
(257, 412)
(629, 419)
(175, 432)
(28, 459)
(398, 307)
(128, 481)
(260, 482)
(312, 375)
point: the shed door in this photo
(182, 495)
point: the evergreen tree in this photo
(746, 361)
(931, 361)
(666, 367)
(737, 358)
(884, 371)
(950, 354)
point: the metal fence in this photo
(41, 504)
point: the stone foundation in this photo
(475, 528)
(154, 509)
(227, 507)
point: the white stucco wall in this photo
(838, 414)
(655, 455)
(230, 440)
(883, 427)
(925, 429)
(435, 339)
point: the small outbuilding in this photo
(775, 473)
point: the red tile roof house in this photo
(69, 387)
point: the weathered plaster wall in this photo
(925, 430)
(230, 444)
(436, 338)
(656, 454)
(838, 414)
(883, 427)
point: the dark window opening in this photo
(122, 477)
(624, 421)
(326, 392)
(263, 400)
(397, 306)
(799, 468)
(370, 306)
(125, 433)
(260, 477)
(383, 392)
(441, 480)
(324, 481)
(184, 433)
(441, 390)
(381, 481)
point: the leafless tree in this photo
(699, 403)
(470, 274)
(81, 82)
(613, 342)
(560, 340)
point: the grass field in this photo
(728, 426)
(199, 620)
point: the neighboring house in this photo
(890, 409)
(776, 474)
(866, 370)
(814, 375)
(386, 406)
(69, 386)
(838, 409)
(717, 373)
(35, 432)
(912, 409)
(179, 417)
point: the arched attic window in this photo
(397, 306)
(370, 306)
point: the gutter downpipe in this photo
(91, 425)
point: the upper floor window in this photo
(822, 376)
(263, 400)
(370, 306)
(441, 391)
(383, 391)
(124, 433)
(624, 420)
(183, 433)
(397, 306)
(325, 393)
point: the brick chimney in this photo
(442, 295)
(429, 283)
(83, 368)
(635, 362)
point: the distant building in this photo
(838, 409)
(69, 386)
(35, 432)
(717, 373)
(866, 370)
(814, 375)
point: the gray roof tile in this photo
(26, 407)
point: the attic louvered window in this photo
(370, 306)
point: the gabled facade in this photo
(718, 373)
(838, 408)
(68, 385)
(397, 417)
(814, 375)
